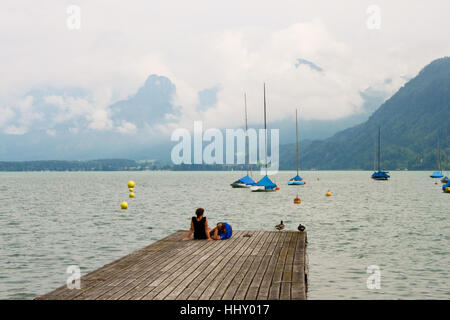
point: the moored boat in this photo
(380, 174)
(247, 181)
(244, 182)
(297, 180)
(265, 184)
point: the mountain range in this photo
(411, 121)
(60, 124)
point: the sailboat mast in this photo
(296, 135)
(265, 126)
(375, 153)
(439, 155)
(246, 135)
(446, 150)
(379, 148)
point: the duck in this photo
(301, 227)
(280, 226)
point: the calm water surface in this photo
(51, 220)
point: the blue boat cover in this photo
(296, 178)
(447, 185)
(380, 174)
(266, 182)
(436, 174)
(247, 180)
(293, 182)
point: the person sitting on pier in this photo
(222, 231)
(199, 226)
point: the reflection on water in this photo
(49, 221)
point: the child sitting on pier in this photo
(221, 232)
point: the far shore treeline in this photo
(132, 165)
(110, 165)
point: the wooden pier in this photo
(252, 265)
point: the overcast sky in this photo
(231, 45)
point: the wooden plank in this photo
(226, 281)
(149, 284)
(251, 265)
(263, 293)
(207, 287)
(298, 289)
(187, 268)
(244, 284)
(134, 272)
(255, 284)
(244, 269)
(148, 279)
(240, 274)
(126, 266)
(201, 281)
(198, 266)
(286, 278)
(105, 273)
(274, 292)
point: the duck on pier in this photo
(280, 226)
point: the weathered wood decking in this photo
(255, 265)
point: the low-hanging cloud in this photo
(118, 47)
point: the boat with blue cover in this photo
(297, 180)
(380, 174)
(247, 181)
(265, 184)
(446, 179)
(438, 174)
(244, 182)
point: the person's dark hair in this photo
(222, 228)
(199, 212)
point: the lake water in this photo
(50, 220)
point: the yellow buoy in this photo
(297, 200)
(328, 194)
(131, 189)
(131, 195)
(124, 205)
(447, 189)
(130, 184)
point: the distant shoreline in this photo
(107, 165)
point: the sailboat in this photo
(438, 174)
(297, 180)
(265, 184)
(379, 174)
(247, 181)
(446, 179)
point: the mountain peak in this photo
(439, 66)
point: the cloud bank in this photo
(209, 54)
